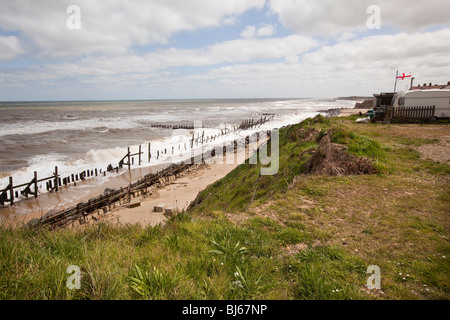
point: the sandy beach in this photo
(177, 195)
(349, 112)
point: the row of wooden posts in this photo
(250, 123)
(106, 201)
(52, 183)
(55, 181)
(200, 139)
(172, 126)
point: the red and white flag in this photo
(403, 76)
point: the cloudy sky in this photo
(182, 49)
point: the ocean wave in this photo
(39, 126)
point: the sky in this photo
(206, 49)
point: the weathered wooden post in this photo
(129, 163)
(56, 178)
(149, 154)
(11, 190)
(35, 185)
(139, 154)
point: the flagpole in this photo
(395, 85)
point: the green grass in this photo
(299, 236)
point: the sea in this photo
(82, 135)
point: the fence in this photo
(421, 114)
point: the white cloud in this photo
(113, 26)
(10, 48)
(234, 51)
(271, 48)
(425, 48)
(330, 17)
(252, 32)
(357, 67)
(266, 31)
(248, 32)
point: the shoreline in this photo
(350, 112)
(343, 112)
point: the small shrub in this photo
(229, 251)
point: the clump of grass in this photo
(227, 249)
(172, 241)
(364, 146)
(340, 135)
(318, 119)
(327, 273)
(313, 191)
(149, 234)
(290, 235)
(247, 285)
(155, 284)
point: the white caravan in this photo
(440, 98)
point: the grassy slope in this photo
(289, 236)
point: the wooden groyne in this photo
(251, 123)
(52, 183)
(172, 126)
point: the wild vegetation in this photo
(295, 235)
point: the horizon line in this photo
(178, 99)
